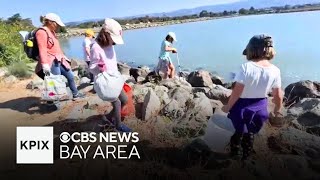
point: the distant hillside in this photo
(218, 8)
(235, 6)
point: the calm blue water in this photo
(217, 45)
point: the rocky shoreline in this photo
(78, 32)
(177, 116)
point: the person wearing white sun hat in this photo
(165, 64)
(103, 59)
(51, 57)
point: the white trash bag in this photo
(55, 88)
(108, 85)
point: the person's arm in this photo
(88, 53)
(87, 48)
(42, 40)
(237, 89)
(235, 95)
(277, 99)
(171, 49)
(277, 95)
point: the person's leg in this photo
(116, 113)
(247, 145)
(56, 68)
(235, 145)
(253, 127)
(123, 98)
(69, 75)
(172, 70)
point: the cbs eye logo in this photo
(65, 137)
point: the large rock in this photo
(75, 64)
(203, 105)
(139, 92)
(173, 83)
(139, 72)
(303, 89)
(219, 93)
(200, 89)
(173, 110)
(200, 79)
(306, 112)
(79, 113)
(294, 141)
(216, 104)
(93, 102)
(181, 95)
(151, 105)
(124, 68)
(216, 79)
(162, 93)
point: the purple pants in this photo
(249, 115)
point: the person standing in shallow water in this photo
(248, 103)
(165, 64)
(51, 58)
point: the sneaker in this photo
(79, 96)
(124, 128)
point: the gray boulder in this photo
(162, 93)
(139, 92)
(203, 105)
(124, 68)
(306, 112)
(219, 93)
(181, 95)
(151, 105)
(293, 140)
(216, 104)
(200, 89)
(216, 79)
(139, 72)
(303, 89)
(173, 110)
(200, 79)
(173, 83)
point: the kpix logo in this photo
(34, 145)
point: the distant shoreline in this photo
(72, 32)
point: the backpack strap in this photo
(41, 28)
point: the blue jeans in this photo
(58, 69)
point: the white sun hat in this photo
(54, 17)
(114, 29)
(173, 35)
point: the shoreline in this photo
(73, 32)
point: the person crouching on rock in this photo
(51, 58)
(103, 58)
(248, 103)
(165, 64)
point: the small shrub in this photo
(20, 69)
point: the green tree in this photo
(204, 13)
(243, 11)
(15, 18)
